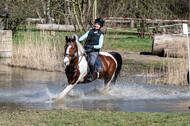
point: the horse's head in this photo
(70, 50)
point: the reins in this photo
(73, 58)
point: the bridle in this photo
(72, 68)
(73, 57)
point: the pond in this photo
(33, 89)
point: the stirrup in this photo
(90, 78)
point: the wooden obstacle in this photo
(5, 43)
(172, 29)
(55, 27)
(169, 45)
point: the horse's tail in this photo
(118, 58)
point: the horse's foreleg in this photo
(65, 91)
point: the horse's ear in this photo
(74, 39)
(66, 38)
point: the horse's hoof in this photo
(53, 99)
(57, 99)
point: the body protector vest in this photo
(93, 38)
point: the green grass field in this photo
(112, 40)
(133, 44)
(91, 118)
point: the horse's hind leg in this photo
(108, 86)
(107, 81)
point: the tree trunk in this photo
(37, 11)
(189, 7)
(95, 9)
(48, 18)
(69, 12)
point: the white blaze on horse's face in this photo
(66, 61)
(66, 58)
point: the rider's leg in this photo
(91, 61)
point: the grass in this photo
(90, 118)
(134, 44)
(128, 42)
(119, 40)
(132, 66)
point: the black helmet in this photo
(100, 21)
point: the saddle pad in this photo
(98, 65)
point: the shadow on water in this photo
(23, 88)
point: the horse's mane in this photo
(80, 47)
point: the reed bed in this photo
(174, 70)
(176, 73)
(38, 51)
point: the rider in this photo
(93, 45)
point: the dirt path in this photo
(139, 56)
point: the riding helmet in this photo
(100, 21)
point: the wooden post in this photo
(131, 24)
(52, 33)
(164, 30)
(7, 24)
(28, 22)
(0, 23)
(5, 43)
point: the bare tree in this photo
(48, 17)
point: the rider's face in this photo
(96, 26)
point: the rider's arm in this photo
(101, 39)
(83, 37)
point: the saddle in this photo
(98, 65)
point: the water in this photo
(32, 89)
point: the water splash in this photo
(144, 91)
(131, 91)
(28, 89)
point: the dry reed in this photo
(175, 71)
(39, 53)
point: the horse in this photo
(76, 63)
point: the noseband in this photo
(73, 57)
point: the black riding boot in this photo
(91, 75)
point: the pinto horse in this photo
(77, 71)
